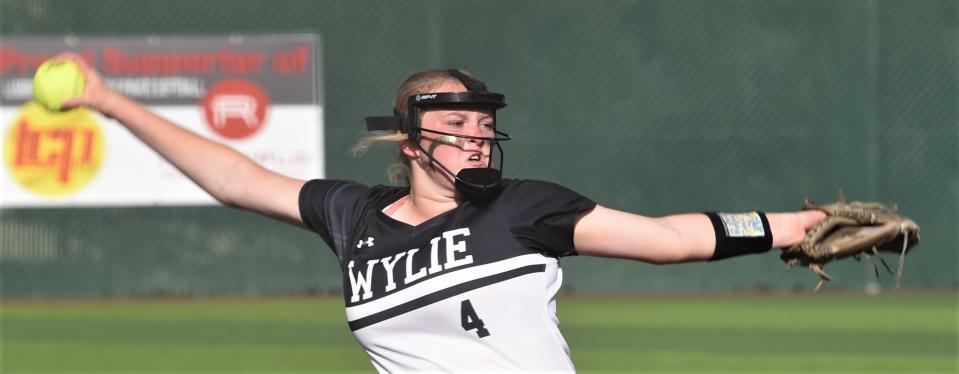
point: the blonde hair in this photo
(418, 83)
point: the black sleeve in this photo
(331, 208)
(542, 215)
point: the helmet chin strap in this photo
(475, 184)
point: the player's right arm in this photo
(230, 177)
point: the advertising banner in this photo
(261, 95)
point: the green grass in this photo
(840, 333)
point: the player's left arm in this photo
(690, 237)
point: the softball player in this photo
(458, 270)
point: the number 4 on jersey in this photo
(470, 320)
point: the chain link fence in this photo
(655, 107)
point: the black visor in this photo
(417, 103)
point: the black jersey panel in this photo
(542, 215)
(331, 208)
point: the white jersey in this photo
(470, 290)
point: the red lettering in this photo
(112, 61)
(294, 61)
(22, 63)
(88, 136)
(28, 142)
(118, 62)
(240, 63)
(60, 155)
(65, 156)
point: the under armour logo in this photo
(368, 242)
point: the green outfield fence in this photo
(656, 107)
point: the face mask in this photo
(470, 183)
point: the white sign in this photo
(259, 95)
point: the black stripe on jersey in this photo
(443, 294)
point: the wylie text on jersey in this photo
(454, 243)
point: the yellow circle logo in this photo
(53, 153)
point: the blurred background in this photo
(650, 106)
(654, 107)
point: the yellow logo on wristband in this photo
(740, 225)
(53, 153)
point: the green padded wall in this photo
(655, 107)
